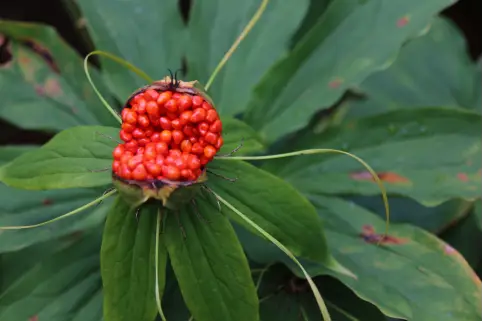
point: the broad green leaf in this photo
(274, 205)
(429, 154)
(477, 213)
(419, 78)
(210, 266)
(128, 266)
(210, 39)
(54, 285)
(148, 34)
(236, 132)
(313, 15)
(21, 207)
(411, 275)
(72, 159)
(352, 40)
(173, 304)
(43, 85)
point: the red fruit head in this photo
(178, 132)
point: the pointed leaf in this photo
(402, 275)
(419, 78)
(128, 266)
(274, 205)
(148, 34)
(43, 85)
(53, 285)
(413, 152)
(210, 266)
(210, 39)
(72, 159)
(353, 40)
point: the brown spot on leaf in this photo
(47, 202)
(52, 87)
(402, 21)
(389, 177)
(335, 83)
(34, 318)
(43, 52)
(370, 236)
(463, 177)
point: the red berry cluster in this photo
(168, 135)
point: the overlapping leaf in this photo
(429, 154)
(128, 264)
(74, 158)
(420, 78)
(210, 39)
(43, 84)
(351, 41)
(149, 34)
(211, 268)
(58, 280)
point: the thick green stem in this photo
(237, 42)
(156, 258)
(321, 151)
(73, 212)
(315, 291)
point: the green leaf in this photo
(236, 132)
(211, 268)
(274, 205)
(413, 152)
(419, 78)
(128, 265)
(401, 275)
(57, 281)
(72, 159)
(20, 208)
(210, 39)
(43, 85)
(477, 213)
(148, 34)
(352, 40)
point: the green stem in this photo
(237, 42)
(119, 60)
(156, 258)
(315, 291)
(320, 151)
(73, 212)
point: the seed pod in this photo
(171, 131)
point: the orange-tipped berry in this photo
(171, 131)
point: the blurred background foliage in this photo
(53, 272)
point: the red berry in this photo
(211, 115)
(186, 146)
(116, 165)
(203, 128)
(177, 136)
(219, 143)
(152, 94)
(128, 127)
(171, 105)
(197, 148)
(207, 106)
(140, 107)
(159, 160)
(184, 103)
(155, 137)
(130, 117)
(126, 157)
(176, 124)
(185, 117)
(209, 151)
(175, 153)
(197, 100)
(125, 136)
(216, 126)
(118, 152)
(171, 172)
(138, 133)
(152, 109)
(161, 148)
(180, 163)
(143, 141)
(153, 168)
(150, 151)
(143, 121)
(125, 172)
(204, 160)
(193, 162)
(165, 136)
(134, 161)
(164, 97)
(139, 173)
(211, 138)
(188, 130)
(165, 123)
(199, 115)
